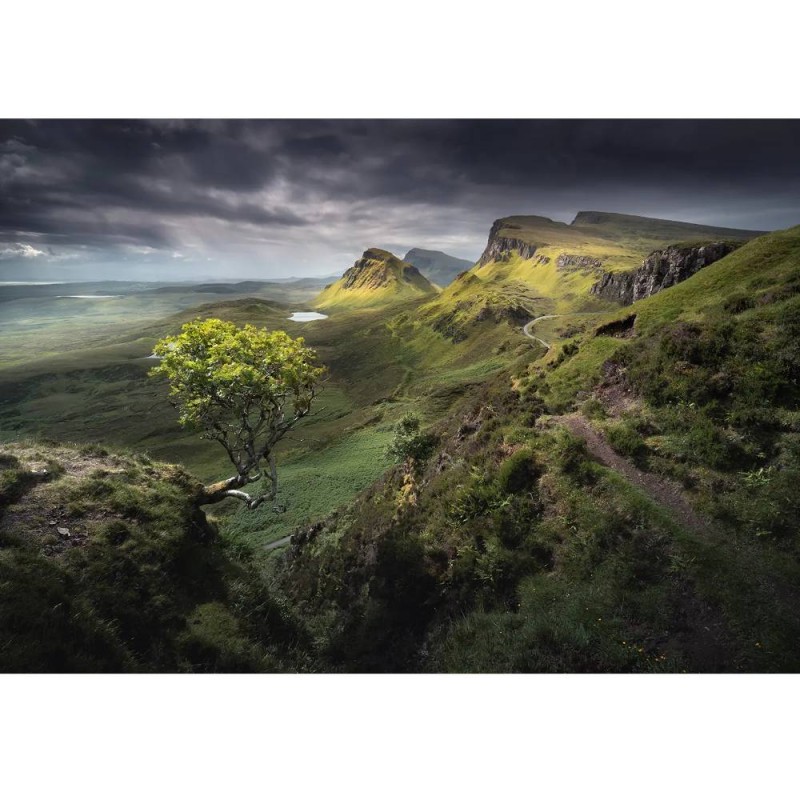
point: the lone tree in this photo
(245, 388)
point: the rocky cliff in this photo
(499, 247)
(660, 270)
(568, 261)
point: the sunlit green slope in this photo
(754, 282)
(540, 266)
(521, 549)
(377, 278)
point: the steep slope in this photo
(438, 267)
(660, 270)
(549, 267)
(377, 278)
(512, 548)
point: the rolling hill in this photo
(377, 278)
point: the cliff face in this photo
(616, 286)
(660, 270)
(499, 246)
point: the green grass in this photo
(107, 566)
(315, 484)
(517, 550)
(377, 279)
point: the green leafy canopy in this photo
(244, 387)
(216, 369)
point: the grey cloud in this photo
(290, 196)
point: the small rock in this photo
(63, 531)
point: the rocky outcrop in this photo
(499, 248)
(660, 270)
(615, 286)
(566, 260)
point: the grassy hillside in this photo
(711, 370)
(621, 501)
(106, 566)
(520, 549)
(377, 278)
(534, 266)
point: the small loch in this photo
(307, 316)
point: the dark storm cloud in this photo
(319, 191)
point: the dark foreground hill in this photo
(106, 566)
(628, 504)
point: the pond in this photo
(307, 316)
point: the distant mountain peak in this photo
(377, 254)
(378, 277)
(437, 266)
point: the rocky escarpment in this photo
(660, 270)
(616, 286)
(499, 248)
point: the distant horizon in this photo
(400, 252)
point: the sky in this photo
(265, 199)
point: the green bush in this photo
(409, 442)
(518, 472)
(625, 439)
(593, 409)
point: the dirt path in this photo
(663, 491)
(526, 329)
(278, 543)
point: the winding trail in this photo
(662, 491)
(526, 329)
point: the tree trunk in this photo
(217, 492)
